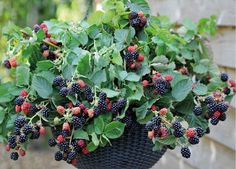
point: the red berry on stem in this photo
(90, 113)
(81, 143)
(85, 150)
(17, 108)
(60, 109)
(140, 57)
(66, 126)
(22, 152)
(151, 134)
(140, 14)
(132, 66)
(190, 132)
(81, 83)
(232, 83)
(42, 131)
(168, 77)
(60, 139)
(24, 93)
(13, 62)
(7, 148)
(217, 114)
(163, 111)
(45, 53)
(76, 110)
(145, 83)
(131, 48)
(25, 107)
(154, 108)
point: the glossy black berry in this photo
(185, 151)
(200, 131)
(12, 145)
(58, 81)
(135, 22)
(36, 28)
(33, 109)
(7, 64)
(115, 108)
(64, 146)
(19, 101)
(134, 55)
(17, 131)
(214, 121)
(64, 91)
(161, 86)
(207, 130)
(27, 129)
(14, 156)
(76, 88)
(44, 47)
(178, 133)
(133, 15)
(20, 121)
(224, 77)
(65, 133)
(77, 122)
(71, 156)
(156, 120)
(22, 138)
(35, 134)
(102, 96)
(222, 107)
(149, 125)
(222, 117)
(97, 111)
(128, 56)
(212, 107)
(121, 103)
(209, 100)
(227, 90)
(102, 105)
(193, 140)
(45, 112)
(58, 156)
(176, 125)
(197, 110)
(11, 139)
(52, 142)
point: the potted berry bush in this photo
(116, 91)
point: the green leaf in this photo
(83, 66)
(99, 77)
(114, 129)
(99, 125)
(110, 93)
(91, 147)
(168, 140)
(22, 75)
(116, 58)
(181, 89)
(83, 38)
(68, 71)
(124, 36)
(95, 139)
(2, 115)
(42, 86)
(200, 89)
(44, 65)
(142, 111)
(132, 77)
(81, 134)
(40, 35)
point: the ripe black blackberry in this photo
(77, 122)
(64, 146)
(65, 133)
(135, 22)
(11, 139)
(214, 121)
(156, 120)
(13, 145)
(58, 81)
(193, 140)
(44, 47)
(71, 156)
(161, 86)
(97, 111)
(209, 100)
(19, 100)
(185, 151)
(134, 55)
(207, 130)
(102, 105)
(176, 125)
(222, 107)
(224, 77)
(36, 28)
(197, 110)
(52, 142)
(149, 125)
(103, 96)
(58, 156)
(227, 90)
(87, 90)
(200, 132)
(52, 55)
(7, 64)
(133, 15)
(127, 120)
(76, 88)
(128, 56)
(89, 97)
(14, 156)
(178, 133)
(20, 121)
(35, 134)
(114, 108)
(33, 109)
(23, 138)
(17, 131)
(45, 112)
(63, 91)
(27, 129)
(212, 107)
(222, 117)
(121, 103)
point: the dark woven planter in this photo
(132, 151)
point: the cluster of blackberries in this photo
(22, 132)
(194, 135)
(137, 20)
(162, 86)
(216, 109)
(117, 106)
(133, 58)
(178, 130)
(69, 149)
(102, 104)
